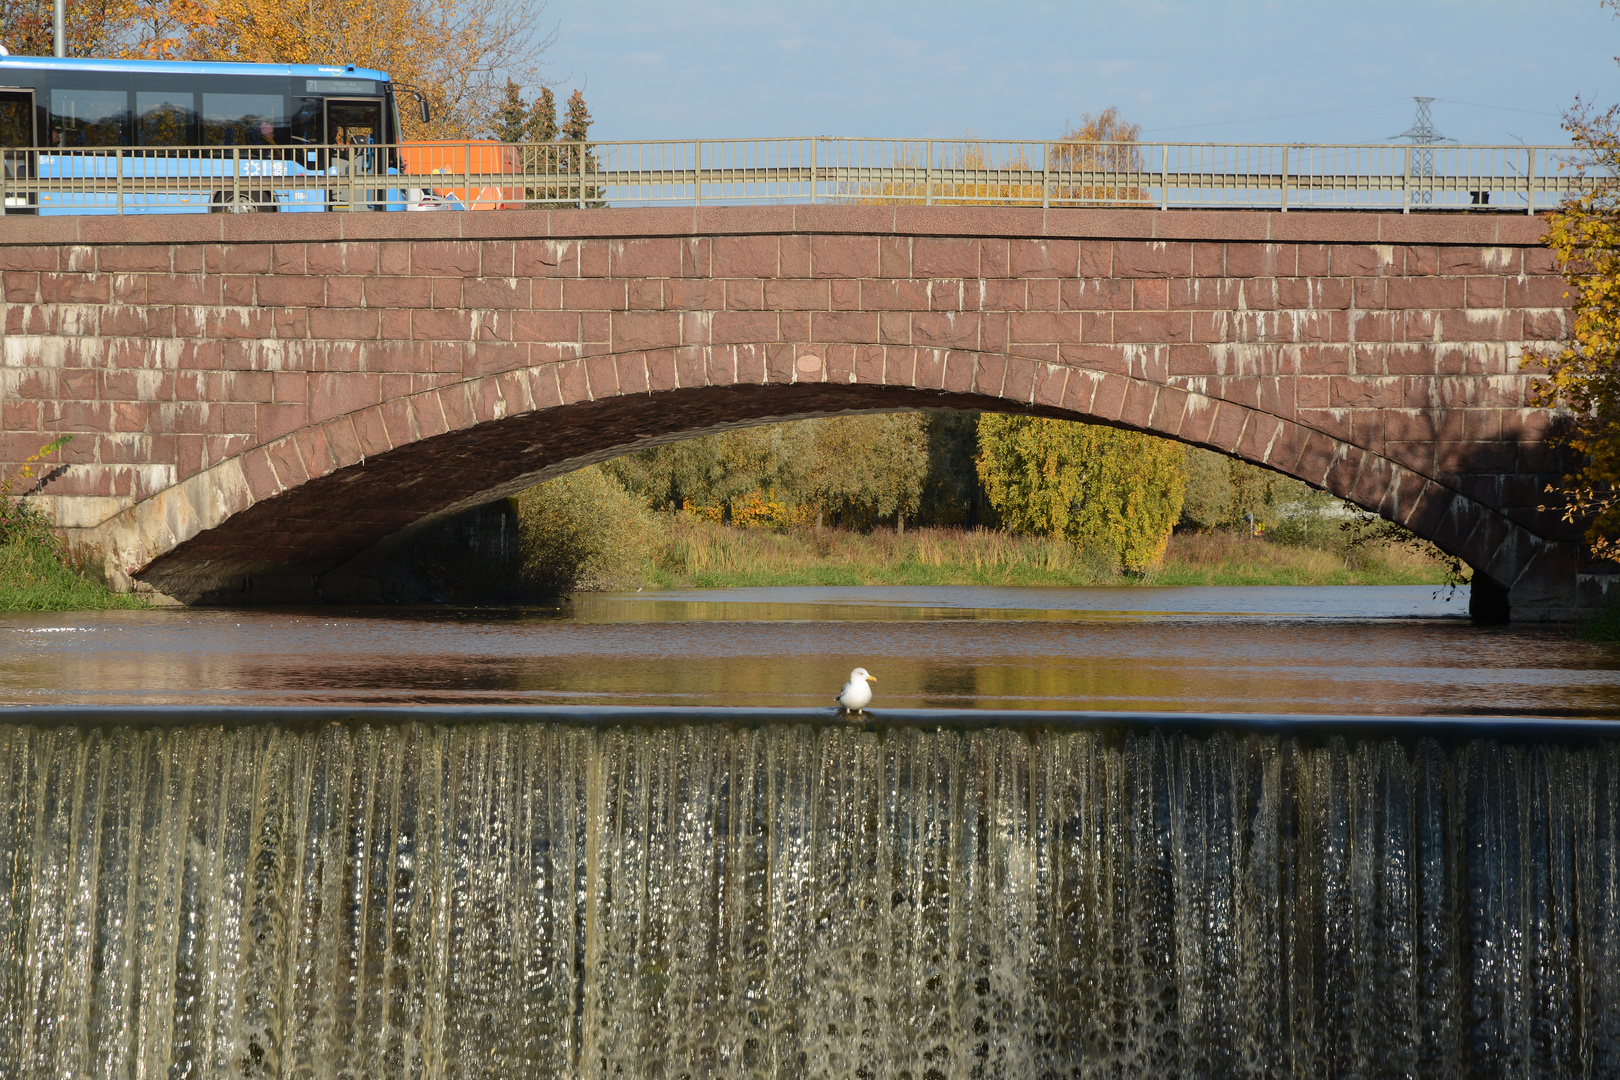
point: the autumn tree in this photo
(92, 27)
(165, 29)
(1583, 376)
(459, 53)
(579, 531)
(1104, 144)
(1100, 488)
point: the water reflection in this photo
(1396, 651)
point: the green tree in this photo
(952, 494)
(547, 149)
(868, 467)
(511, 120)
(1227, 493)
(1097, 487)
(520, 121)
(718, 470)
(847, 470)
(577, 155)
(542, 127)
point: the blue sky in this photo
(1211, 71)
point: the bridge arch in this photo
(263, 400)
(297, 516)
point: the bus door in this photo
(17, 150)
(354, 128)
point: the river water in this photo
(629, 837)
(1386, 651)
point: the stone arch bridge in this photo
(262, 403)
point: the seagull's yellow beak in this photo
(871, 678)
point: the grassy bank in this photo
(687, 553)
(38, 573)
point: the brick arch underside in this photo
(276, 520)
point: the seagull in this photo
(856, 695)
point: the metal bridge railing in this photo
(958, 172)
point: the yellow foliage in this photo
(755, 510)
(92, 27)
(966, 172)
(164, 29)
(1097, 487)
(27, 470)
(1099, 144)
(459, 53)
(1584, 375)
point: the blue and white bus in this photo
(139, 136)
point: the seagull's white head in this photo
(860, 675)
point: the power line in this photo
(1498, 108)
(1342, 109)
(1283, 116)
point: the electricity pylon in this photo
(1422, 133)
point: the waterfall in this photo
(553, 900)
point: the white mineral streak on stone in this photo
(80, 320)
(703, 323)
(29, 352)
(147, 383)
(84, 511)
(1136, 360)
(135, 534)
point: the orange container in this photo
(454, 159)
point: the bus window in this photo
(16, 118)
(307, 121)
(16, 139)
(354, 123)
(245, 120)
(85, 117)
(355, 128)
(165, 118)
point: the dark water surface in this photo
(1389, 651)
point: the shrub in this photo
(581, 533)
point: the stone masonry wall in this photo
(274, 395)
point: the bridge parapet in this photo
(811, 169)
(264, 400)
